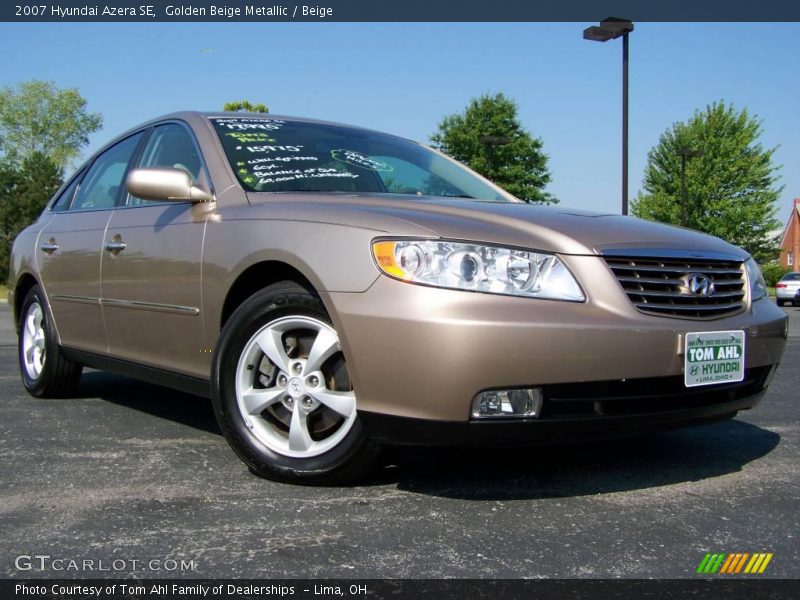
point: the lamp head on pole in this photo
(609, 29)
(495, 140)
(689, 152)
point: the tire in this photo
(277, 371)
(46, 373)
(780, 302)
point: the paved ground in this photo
(794, 320)
(128, 471)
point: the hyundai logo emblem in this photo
(698, 284)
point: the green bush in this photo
(772, 272)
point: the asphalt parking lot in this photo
(127, 471)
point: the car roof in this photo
(193, 116)
(188, 115)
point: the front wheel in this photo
(282, 391)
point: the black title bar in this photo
(151, 11)
(398, 589)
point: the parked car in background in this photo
(334, 289)
(787, 289)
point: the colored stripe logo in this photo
(734, 563)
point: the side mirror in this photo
(164, 184)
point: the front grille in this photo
(632, 397)
(659, 286)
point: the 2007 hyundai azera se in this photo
(333, 289)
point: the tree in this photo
(245, 106)
(519, 166)
(773, 271)
(730, 186)
(37, 117)
(24, 193)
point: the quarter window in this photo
(100, 188)
(64, 200)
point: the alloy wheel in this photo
(293, 389)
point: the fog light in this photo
(507, 403)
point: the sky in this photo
(403, 78)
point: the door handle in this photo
(49, 246)
(116, 246)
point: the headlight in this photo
(477, 268)
(758, 287)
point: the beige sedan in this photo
(334, 289)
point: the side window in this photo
(100, 187)
(170, 146)
(64, 200)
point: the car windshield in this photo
(276, 155)
(791, 277)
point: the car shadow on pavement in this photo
(690, 454)
(165, 403)
(685, 455)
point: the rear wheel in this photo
(45, 371)
(780, 302)
(282, 391)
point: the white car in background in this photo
(786, 289)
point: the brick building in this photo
(790, 241)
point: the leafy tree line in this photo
(245, 106)
(42, 129)
(731, 186)
(731, 180)
(489, 138)
(24, 192)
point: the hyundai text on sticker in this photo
(714, 357)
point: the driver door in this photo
(151, 266)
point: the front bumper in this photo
(424, 353)
(607, 417)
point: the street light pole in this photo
(490, 141)
(625, 123)
(683, 190)
(610, 29)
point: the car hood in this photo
(553, 229)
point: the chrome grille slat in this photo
(675, 268)
(666, 294)
(698, 307)
(656, 285)
(653, 280)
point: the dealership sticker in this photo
(714, 357)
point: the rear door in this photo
(70, 246)
(152, 264)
